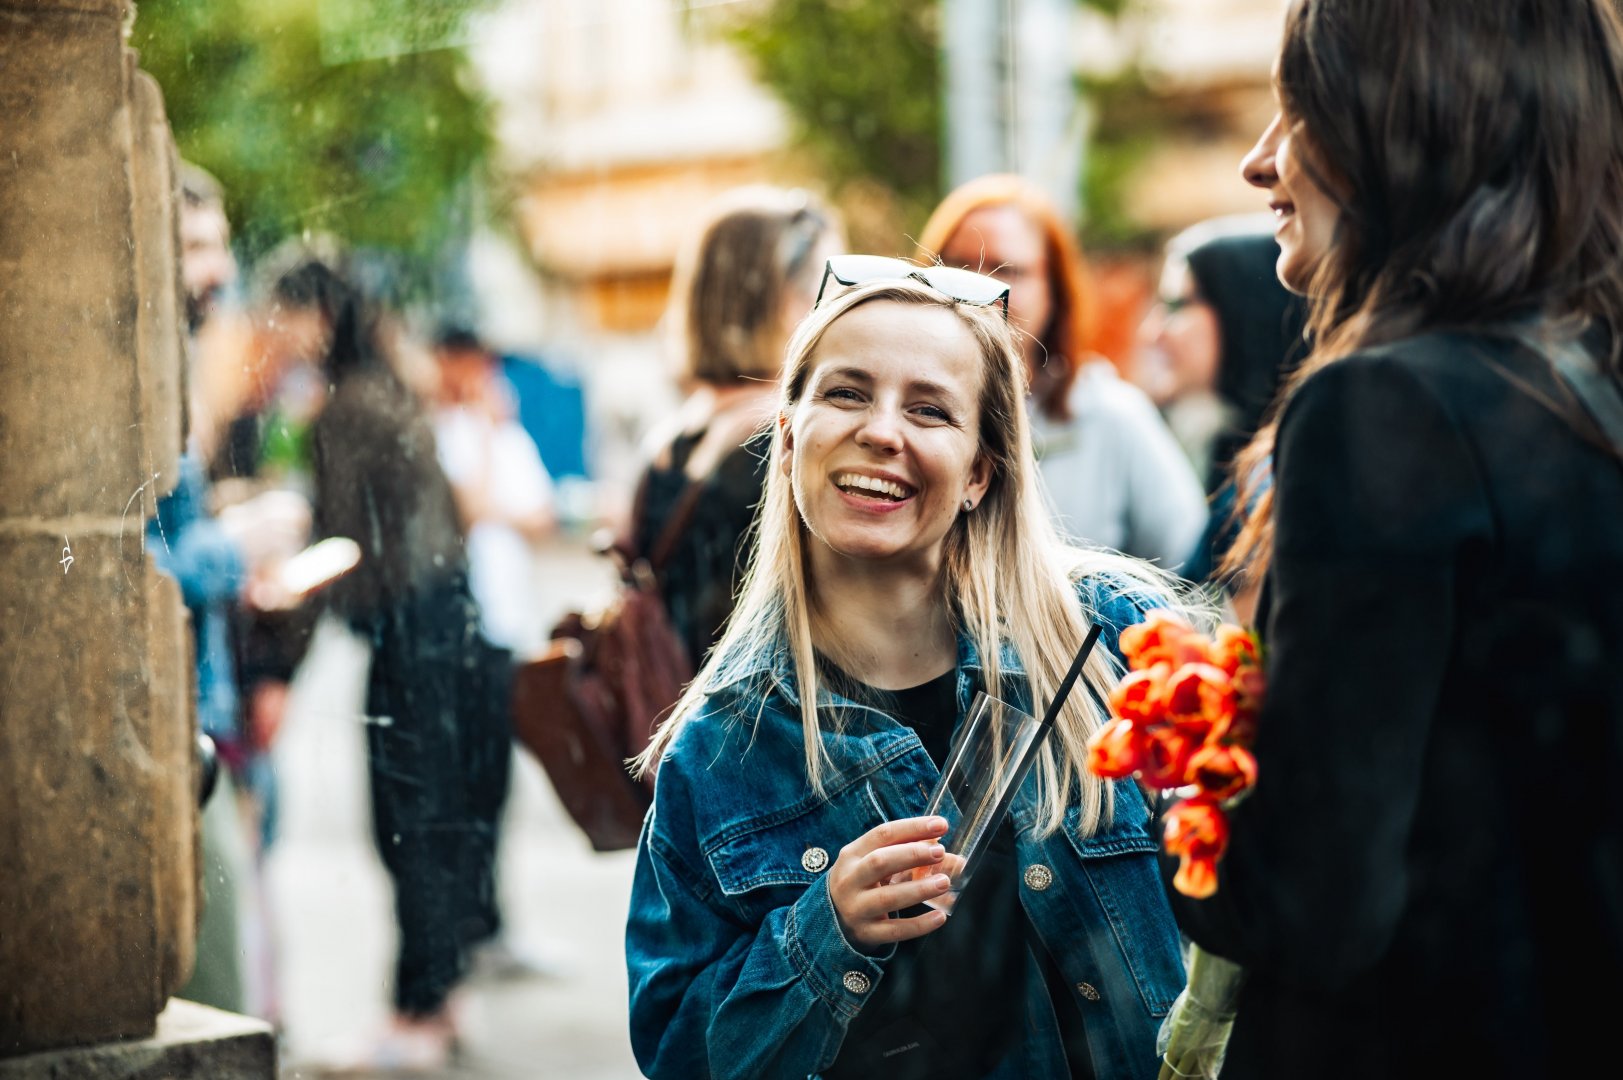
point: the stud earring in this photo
(969, 504)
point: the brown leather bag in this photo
(593, 699)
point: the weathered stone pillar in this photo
(98, 816)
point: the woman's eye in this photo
(842, 393)
(933, 412)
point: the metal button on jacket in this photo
(1087, 991)
(814, 860)
(856, 982)
(1038, 877)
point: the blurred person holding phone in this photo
(438, 735)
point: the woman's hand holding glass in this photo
(887, 869)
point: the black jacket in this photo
(1428, 878)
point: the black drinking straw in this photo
(1069, 681)
(1046, 725)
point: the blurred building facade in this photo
(619, 120)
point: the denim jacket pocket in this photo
(1122, 869)
(768, 861)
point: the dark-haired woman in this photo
(437, 743)
(1428, 878)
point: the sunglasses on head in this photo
(964, 286)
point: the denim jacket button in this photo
(856, 982)
(814, 860)
(1087, 991)
(1038, 877)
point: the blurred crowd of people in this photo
(942, 477)
(318, 413)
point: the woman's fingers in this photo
(879, 903)
(888, 868)
(891, 833)
(879, 866)
(886, 931)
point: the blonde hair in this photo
(1006, 556)
(727, 294)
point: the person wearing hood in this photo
(1218, 343)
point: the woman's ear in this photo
(980, 479)
(787, 433)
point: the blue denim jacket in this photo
(737, 963)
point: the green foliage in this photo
(863, 81)
(304, 136)
(1130, 123)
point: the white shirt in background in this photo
(501, 562)
(1115, 475)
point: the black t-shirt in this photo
(952, 1003)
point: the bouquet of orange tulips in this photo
(1184, 719)
(1185, 715)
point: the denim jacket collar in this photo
(776, 663)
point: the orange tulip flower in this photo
(1199, 697)
(1138, 696)
(1234, 649)
(1196, 826)
(1117, 750)
(1162, 638)
(1166, 757)
(1223, 770)
(1196, 877)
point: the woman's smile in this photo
(874, 491)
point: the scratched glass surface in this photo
(425, 255)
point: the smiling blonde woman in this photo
(904, 561)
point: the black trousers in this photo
(439, 748)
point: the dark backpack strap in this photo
(665, 545)
(1600, 393)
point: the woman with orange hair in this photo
(1114, 474)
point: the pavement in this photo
(330, 901)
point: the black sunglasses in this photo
(964, 286)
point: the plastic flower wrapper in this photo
(1195, 1035)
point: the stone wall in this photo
(98, 820)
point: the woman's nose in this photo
(1153, 325)
(1258, 164)
(881, 430)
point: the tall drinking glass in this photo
(990, 756)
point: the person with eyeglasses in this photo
(903, 560)
(1221, 336)
(1116, 476)
(743, 282)
(1214, 351)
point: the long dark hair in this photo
(325, 282)
(1475, 150)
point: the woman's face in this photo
(1183, 342)
(884, 445)
(1306, 215)
(1003, 242)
